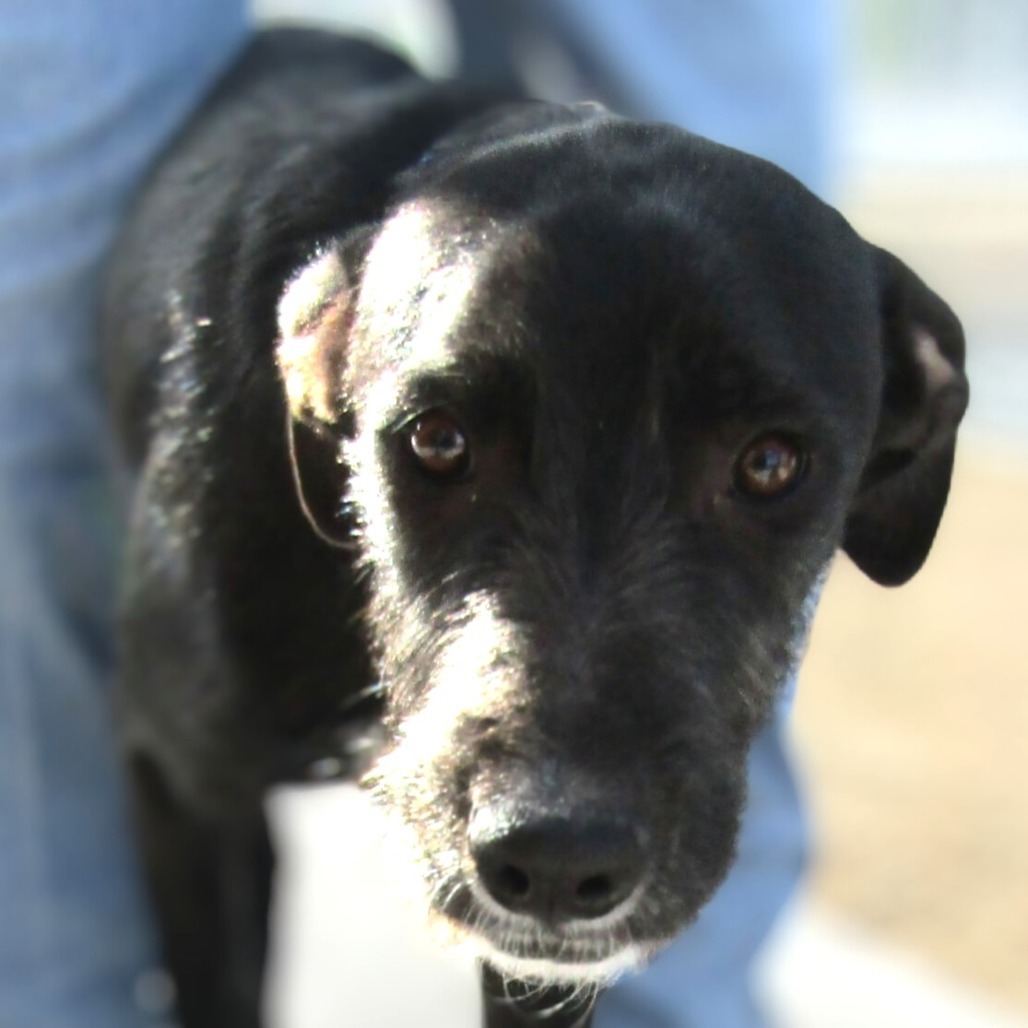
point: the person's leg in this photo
(703, 979)
(91, 93)
(755, 74)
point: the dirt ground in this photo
(912, 718)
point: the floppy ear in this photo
(315, 314)
(895, 514)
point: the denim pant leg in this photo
(91, 92)
(756, 74)
(703, 979)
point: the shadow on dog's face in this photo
(610, 399)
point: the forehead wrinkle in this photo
(743, 389)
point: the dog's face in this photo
(612, 397)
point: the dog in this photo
(489, 450)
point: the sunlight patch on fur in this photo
(475, 679)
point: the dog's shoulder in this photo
(299, 142)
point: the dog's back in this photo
(224, 583)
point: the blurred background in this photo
(913, 705)
(912, 719)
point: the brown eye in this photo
(440, 445)
(769, 467)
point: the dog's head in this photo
(608, 399)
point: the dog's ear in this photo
(895, 514)
(315, 315)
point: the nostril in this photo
(513, 882)
(511, 886)
(596, 889)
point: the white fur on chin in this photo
(547, 972)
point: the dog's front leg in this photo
(211, 885)
(512, 1004)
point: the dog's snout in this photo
(556, 868)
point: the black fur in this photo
(579, 633)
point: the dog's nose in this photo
(556, 868)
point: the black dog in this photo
(549, 422)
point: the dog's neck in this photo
(514, 1004)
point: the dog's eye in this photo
(440, 445)
(769, 467)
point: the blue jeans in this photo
(91, 93)
(702, 979)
